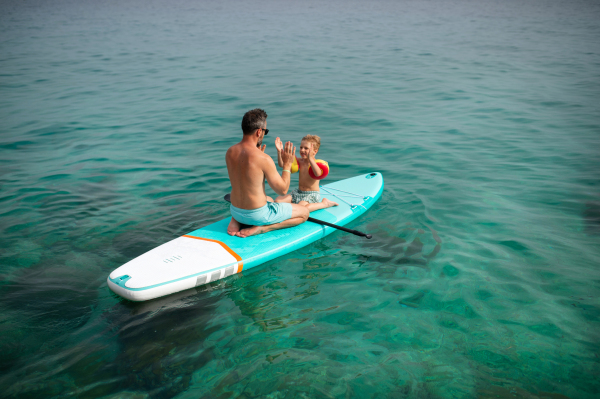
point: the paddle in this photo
(322, 222)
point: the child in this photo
(307, 193)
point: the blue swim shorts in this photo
(269, 214)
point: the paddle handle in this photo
(335, 226)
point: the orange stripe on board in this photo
(236, 256)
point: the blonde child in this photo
(307, 193)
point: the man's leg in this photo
(299, 215)
(284, 198)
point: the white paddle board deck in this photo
(209, 254)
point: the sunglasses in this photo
(266, 131)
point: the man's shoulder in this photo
(235, 149)
(236, 145)
(260, 156)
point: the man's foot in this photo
(328, 203)
(234, 227)
(250, 231)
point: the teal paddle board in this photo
(209, 253)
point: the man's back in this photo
(245, 165)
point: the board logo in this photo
(172, 259)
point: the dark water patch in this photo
(516, 245)
(162, 370)
(39, 197)
(8, 198)
(88, 161)
(58, 176)
(578, 375)
(399, 250)
(16, 145)
(341, 318)
(459, 307)
(587, 311)
(54, 299)
(415, 247)
(395, 288)
(452, 325)
(591, 216)
(15, 212)
(412, 262)
(483, 295)
(450, 271)
(491, 359)
(167, 193)
(518, 294)
(547, 329)
(55, 129)
(19, 226)
(414, 301)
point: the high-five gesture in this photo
(312, 151)
(287, 155)
(278, 144)
(279, 147)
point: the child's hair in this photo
(314, 139)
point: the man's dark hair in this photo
(254, 119)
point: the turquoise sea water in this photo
(482, 279)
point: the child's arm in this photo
(313, 162)
(279, 147)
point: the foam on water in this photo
(481, 279)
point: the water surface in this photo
(482, 277)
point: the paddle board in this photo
(209, 253)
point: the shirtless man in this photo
(248, 166)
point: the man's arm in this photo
(280, 183)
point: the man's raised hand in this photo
(287, 155)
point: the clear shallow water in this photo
(482, 278)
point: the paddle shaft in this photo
(324, 223)
(335, 226)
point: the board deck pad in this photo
(209, 253)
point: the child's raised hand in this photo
(278, 144)
(311, 150)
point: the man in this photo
(248, 166)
